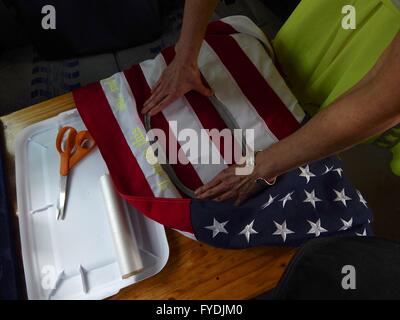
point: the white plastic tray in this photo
(74, 258)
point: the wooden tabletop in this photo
(194, 270)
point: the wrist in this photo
(186, 55)
(263, 169)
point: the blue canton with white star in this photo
(312, 201)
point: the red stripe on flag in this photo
(220, 28)
(253, 85)
(99, 119)
(124, 169)
(141, 92)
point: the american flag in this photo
(237, 62)
(312, 201)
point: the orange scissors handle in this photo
(75, 148)
(84, 144)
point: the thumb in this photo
(202, 89)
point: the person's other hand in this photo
(177, 79)
(236, 184)
(229, 186)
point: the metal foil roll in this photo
(128, 254)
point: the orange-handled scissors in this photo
(72, 146)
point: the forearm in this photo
(196, 17)
(370, 108)
(347, 122)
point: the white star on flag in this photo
(286, 198)
(217, 227)
(341, 196)
(306, 173)
(282, 230)
(269, 202)
(316, 228)
(364, 234)
(248, 231)
(311, 198)
(339, 171)
(327, 170)
(362, 200)
(346, 224)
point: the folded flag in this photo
(237, 62)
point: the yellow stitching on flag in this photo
(137, 138)
(121, 103)
(113, 85)
(163, 185)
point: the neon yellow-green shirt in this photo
(322, 60)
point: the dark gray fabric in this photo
(28, 79)
(9, 279)
(282, 8)
(316, 271)
(90, 26)
(11, 33)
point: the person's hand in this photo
(237, 183)
(229, 186)
(177, 79)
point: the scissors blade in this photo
(62, 198)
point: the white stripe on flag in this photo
(254, 51)
(184, 115)
(229, 93)
(123, 106)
